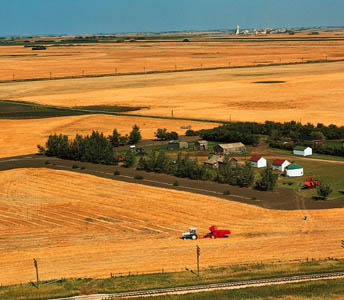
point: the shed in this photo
(229, 148)
(217, 161)
(302, 151)
(201, 145)
(177, 145)
(280, 164)
(258, 162)
(294, 170)
(214, 161)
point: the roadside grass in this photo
(316, 290)
(116, 283)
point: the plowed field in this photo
(79, 225)
(18, 137)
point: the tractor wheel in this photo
(194, 237)
(213, 237)
(184, 238)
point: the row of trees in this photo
(117, 139)
(228, 173)
(163, 135)
(94, 148)
(246, 132)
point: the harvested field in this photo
(78, 225)
(18, 137)
(310, 93)
(141, 56)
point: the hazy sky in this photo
(109, 16)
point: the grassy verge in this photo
(80, 286)
(324, 289)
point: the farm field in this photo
(306, 92)
(18, 137)
(78, 225)
(203, 51)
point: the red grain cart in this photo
(311, 183)
(217, 233)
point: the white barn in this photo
(302, 151)
(258, 162)
(294, 170)
(280, 164)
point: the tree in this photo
(129, 159)
(161, 133)
(324, 190)
(245, 176)
(115, 138)
(135, 135)
(267, 181)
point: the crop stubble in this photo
(79, 225)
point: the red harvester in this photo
(311, 183)
(216, 233)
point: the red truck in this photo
(217, 233)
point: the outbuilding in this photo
(302, 151)
(280, 164)
(201, 145)
(177, 145)
(294, 170)
(258, 162)
(229, 148)
(214, 161)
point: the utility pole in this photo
(50, 75)
(36, 267)
(172, 113)
(198, 251)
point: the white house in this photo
(280, 164)
(258, 162)
(302, 151)
(294, 170)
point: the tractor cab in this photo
(192, 234)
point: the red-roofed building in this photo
(280, 164)
(258, 161)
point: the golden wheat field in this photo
(79, 225)
(307, 93)
(19, 137)
(18, 62)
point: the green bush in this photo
(226, 192)
(176, 183)
(47, 162)
(116, 172)
(75, 166)
(138, 177)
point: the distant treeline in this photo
(316, 148)
(246, 132)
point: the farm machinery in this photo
(213, 234)
(311, 183)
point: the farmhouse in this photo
(258, 162)
(294, 170)
(302, 151)
(214, 161)
(217, 161)
(229, 148)
(280, 164)
(177, 145)
(201, 145)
